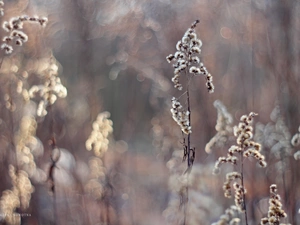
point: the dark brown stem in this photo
(189, 135)
(242, 180)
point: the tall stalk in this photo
(242, 182)
(187, 63)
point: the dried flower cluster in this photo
(245, 147)
(275, 212)
(243, 133)
(296, 142)
(18, 196)
(221, 160)
(296, 139)
(187, 59)
(275, 136)
(240, 191)
(26, 145)
(180, 116)
(14, 27)
(227, 184)
(245, 144)
(98, 139)
(297, 155)
(229, 217)
(223, 127)
(49, 91)
(9, 104)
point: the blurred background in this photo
(111, 56)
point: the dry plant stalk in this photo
(275, 212)
(187, 64)
(245, 147)
(98, 183)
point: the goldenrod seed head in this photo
(296, 139)
(179, 45)
(195, 70)
(7, 39)
(170, 58)
(6, 26)
(19, 42)
(297, 155)
(195, 49)
(7, 48)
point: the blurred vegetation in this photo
(111, 56)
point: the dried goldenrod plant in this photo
(98, 184)
(25, 142)
(98, 139)
(244, 148)
(98, 142)
(187, 64)
(49, 91)
(275, 212)
(17, 197)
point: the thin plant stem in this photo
(285, 189)
(54, 160)
(242, 180)
(189, 135)
(189, 161)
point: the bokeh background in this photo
(111, 56)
